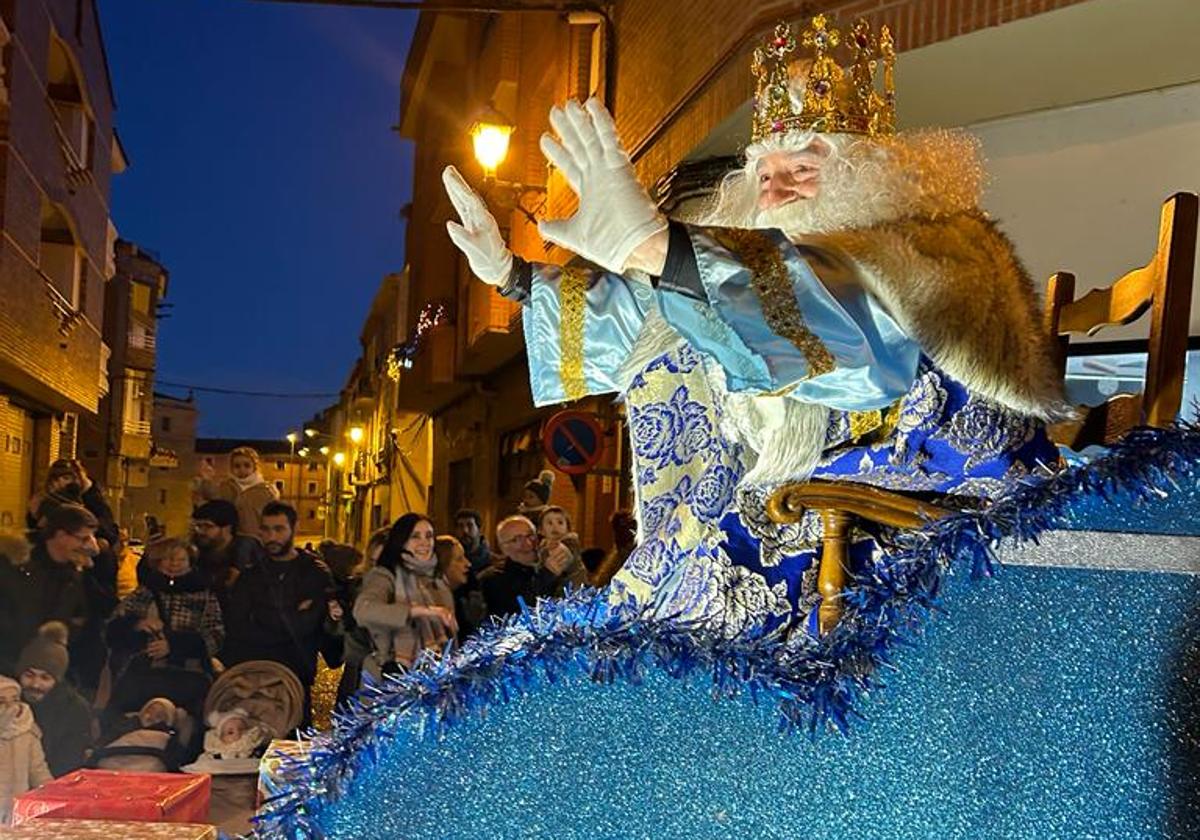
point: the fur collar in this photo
(955, 284)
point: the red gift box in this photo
(115, 795)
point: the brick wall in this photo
(669, 58)
(56, 371)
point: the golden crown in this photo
(832, 99)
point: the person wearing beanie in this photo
(221, 552)
(536, 496)
(22, 763)
(63, 716)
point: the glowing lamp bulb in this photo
(339, 458)
(356, 434)
(491, 144)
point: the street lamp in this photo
(339, 458)
(324, 450)
(490, 133)
(356, 434)
(489, 137)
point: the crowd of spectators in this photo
(108, 654)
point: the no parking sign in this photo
(573, 441)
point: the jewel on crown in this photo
(827, 97)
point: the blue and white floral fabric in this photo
(707, 550)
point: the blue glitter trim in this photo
(815, 684)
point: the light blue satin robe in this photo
(854, 356)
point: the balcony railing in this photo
(142, 340)
(137, 427)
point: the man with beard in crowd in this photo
(468, 526)
(222, 553)
(845, 311)
(61, 713)
(281, 604)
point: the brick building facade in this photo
(166, 493)
(117, 443)
(57, 155)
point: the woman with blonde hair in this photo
(405, 603)
(245, 487)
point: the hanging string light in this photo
(433, 314)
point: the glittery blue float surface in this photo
(1046, 703)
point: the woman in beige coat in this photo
(405, 604)
(22, 762)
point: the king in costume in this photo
(842, 310)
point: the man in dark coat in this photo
(46, 585)
(280, 604)
(61, 713)
(222, 553)
(520, 574)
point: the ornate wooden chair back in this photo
(1162, 287)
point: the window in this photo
(312, 514)
(279, 487)
(279, 465)
(312, 487)
(166, 424)
(140, 295)
(162, 497)
(312, 467)
(72, 119)
(59, 257)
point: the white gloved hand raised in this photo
(478, 236)
(615, 214)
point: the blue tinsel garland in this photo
(815, 683)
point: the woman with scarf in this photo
(245, 487)
(164, 635)
(405, 604)
(22, 762)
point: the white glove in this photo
(478, 236)
(615, 214)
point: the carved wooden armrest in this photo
(838, 502)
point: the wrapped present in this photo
(115, 795)
(108, 829)
(278, 753)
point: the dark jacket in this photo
(66, 723)
(221, 567)
(481, 557)
(502, 585)
(32, 593)
(277, 610)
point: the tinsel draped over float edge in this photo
(816, 684)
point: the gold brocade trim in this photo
(879, 423)
(572, 302)
(769, 277)
(862, 422)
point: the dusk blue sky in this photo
(265, 174)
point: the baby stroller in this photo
(269, 693)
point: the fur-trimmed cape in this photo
(955, 284)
